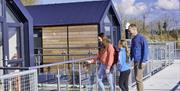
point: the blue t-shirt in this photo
(121, 64)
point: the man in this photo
(139, 52)
(106, 59)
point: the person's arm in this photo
(144, 50)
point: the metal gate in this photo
(19, 81)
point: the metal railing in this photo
(177, 50)
(19, 81)
(62, 78)
(82, 76)
(177, 56)
(62, 53)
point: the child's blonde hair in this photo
(125, 45)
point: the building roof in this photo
(68, 13)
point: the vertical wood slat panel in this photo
(83, 36)
(54, 37)
(79, 36)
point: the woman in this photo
(123, 65)
(106, 58)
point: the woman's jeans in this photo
(101, 74)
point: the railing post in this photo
(114, 77)
(39, 57)
(96, 76)
(64, 58)
(58, 79)
(130, 77)
(73, 77)
(79, 76)
(175, 51)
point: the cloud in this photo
(167, 4)
(129, 7)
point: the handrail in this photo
(58, 63)
(64, 54)
(47, 65)
(66, 48)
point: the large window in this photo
(111, 26)
(13, 40)
(107, 30)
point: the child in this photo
(123, 65)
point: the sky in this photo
(136, 7)
(154, 9)
(131, 7)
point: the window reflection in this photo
(107, 30)
(13, 43)
(107, 20)
(1, 8)
(10, 16)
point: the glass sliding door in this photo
(14, 32)
(15, 47)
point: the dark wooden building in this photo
(72, 28)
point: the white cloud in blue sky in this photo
(154, 10)
(137, 7)
(129, 7)
(167, 4)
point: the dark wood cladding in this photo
(78, 36)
